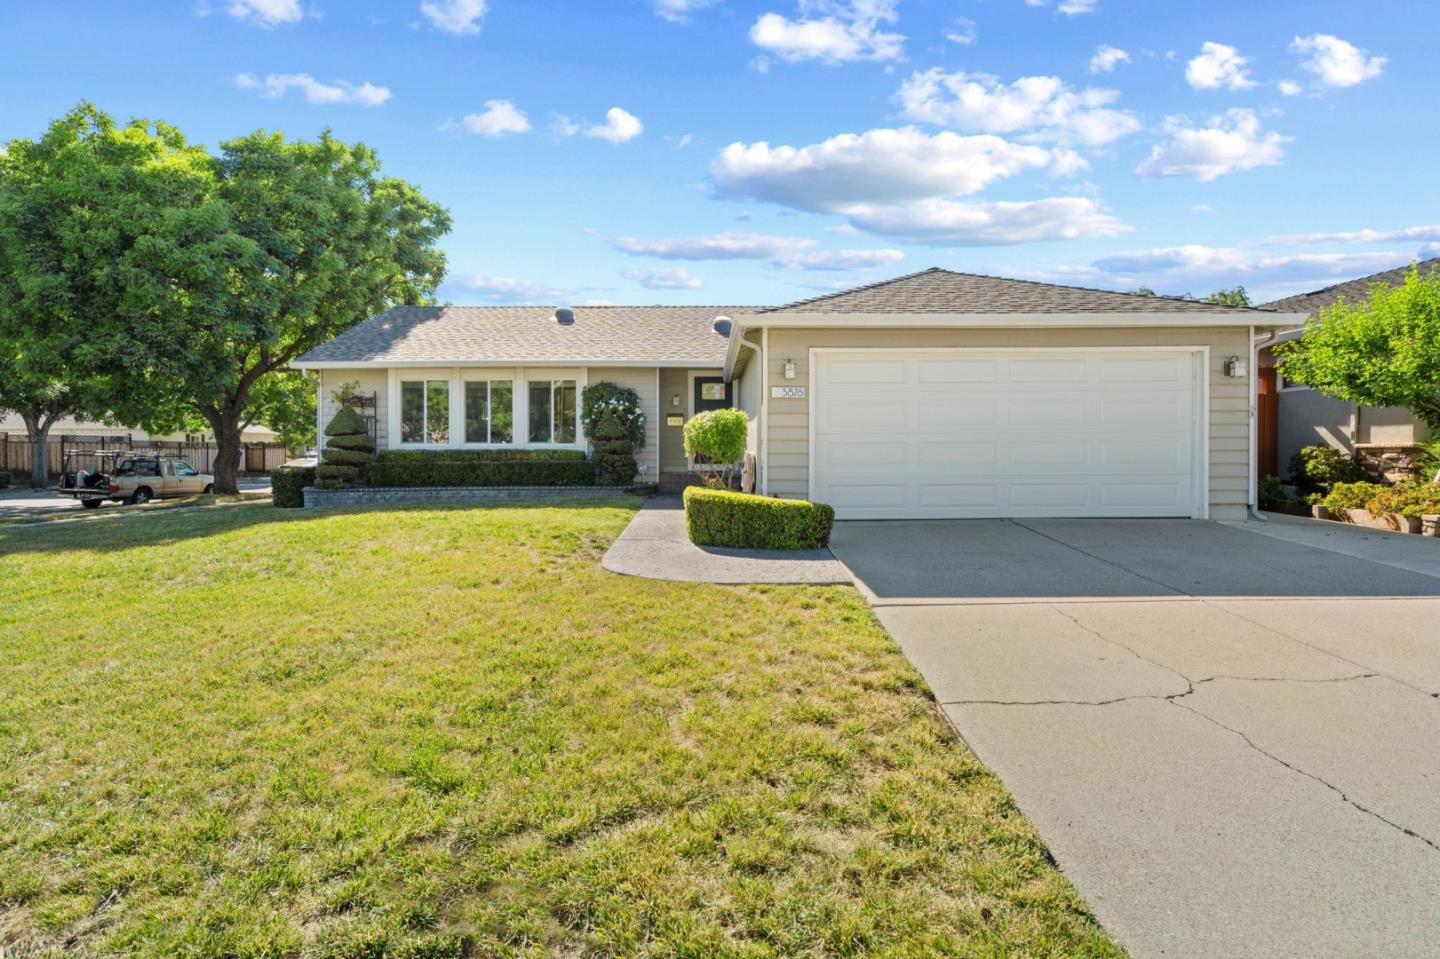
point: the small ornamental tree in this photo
(610, 399)
(715, 445)
(348, 447)
(1383, 351)
(614, 452)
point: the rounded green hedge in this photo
(286, 484)
(742, 521)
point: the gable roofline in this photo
(1317, 300)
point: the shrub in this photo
(347, 448)
(5, 479)
(481, 456)
(1318, 468)
(1351, 495)
(1407, 499)
(716, 439)
(723, 518)
(1427, 461)
(614, 452)
(1272, 492)
(286, 484)
(445, 468)
(601, 399)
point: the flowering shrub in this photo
(621, 402)
(1407, 499)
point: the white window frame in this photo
(552, 376)
(487, 375)
(520, 377)
(397, 405)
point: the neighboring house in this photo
(934, 395)
(13, 425)
(1386, 438)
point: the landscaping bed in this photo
(742, 521)
(432, 732)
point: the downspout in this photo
(1253, 507)
(760, 427)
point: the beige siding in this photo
(787, 443)
(672, 438)
(375, 381)
(641, 379)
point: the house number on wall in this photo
(788, 392)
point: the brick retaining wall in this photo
(421, 495)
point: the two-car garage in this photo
(936, 433)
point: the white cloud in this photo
(1224, 266)
(266, 13)
(459, 17)
(1202, 208)
(619, 127)
(943, 222)
(665, 278)
(1106, 58)
(832, 31)
(1043, 106)
(1230, 143)
(276, 85)
(718, 246)
(505, 289)
(878, 166)
(842, 228)
(1335, 62)
(501, 117)
(1422, 234)
(563, 126)
(1070, 8)
(1218, 65)
(1289, 88)
(680, 11)
(962, 32)
(841, 259)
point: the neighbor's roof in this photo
(530, 334)
(1351, 290)
(945, 291)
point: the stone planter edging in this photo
(420, 495)
(1393, 522)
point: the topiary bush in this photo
(1316, 469)
(348, 447)
(286, 484)
(743, 521)
(614, 452)
(599, 400)
(715, 445)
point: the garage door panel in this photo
(993, 433)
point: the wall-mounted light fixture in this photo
(1236, 367)
(789, 369)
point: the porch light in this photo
(789, 369)
(1236, 367)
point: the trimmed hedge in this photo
(440, 470)
(286, 484)
(1352, 495)
(481, 456)
(742, 521)
(5, 479)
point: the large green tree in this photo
(1381, 351)
(285, 245)
(74, 204)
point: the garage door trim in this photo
(1201, 355)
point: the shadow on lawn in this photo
(112, 532)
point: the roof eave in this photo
(682, 363)
(1236, 318)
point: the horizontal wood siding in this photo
(375, 381)
(787, 442)
(641, 379)
(672, 438)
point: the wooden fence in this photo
(15, 452)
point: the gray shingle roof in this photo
(945, 291)
(530, 334)
(1352, 290)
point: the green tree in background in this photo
(1382, 351)
(285, 245)
(1235, 297)
(74, 206)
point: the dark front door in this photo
(711, 393)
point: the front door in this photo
(711, 393)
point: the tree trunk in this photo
(38, 429)
(228, 448)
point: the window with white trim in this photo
(425, 411)
(490, 411)
(554, 411)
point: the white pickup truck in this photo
(135, 478)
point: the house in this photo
(1386, 438)
(933, 395)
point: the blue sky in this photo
(735, 152)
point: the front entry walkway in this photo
(656, 546)
(1228, 740)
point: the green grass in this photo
(256, 733)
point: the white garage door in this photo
(970, 434)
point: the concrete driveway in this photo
(1230, 741)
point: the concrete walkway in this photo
(1407, 551)
(1229, 741)
(656, 546)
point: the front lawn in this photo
(253, 733)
